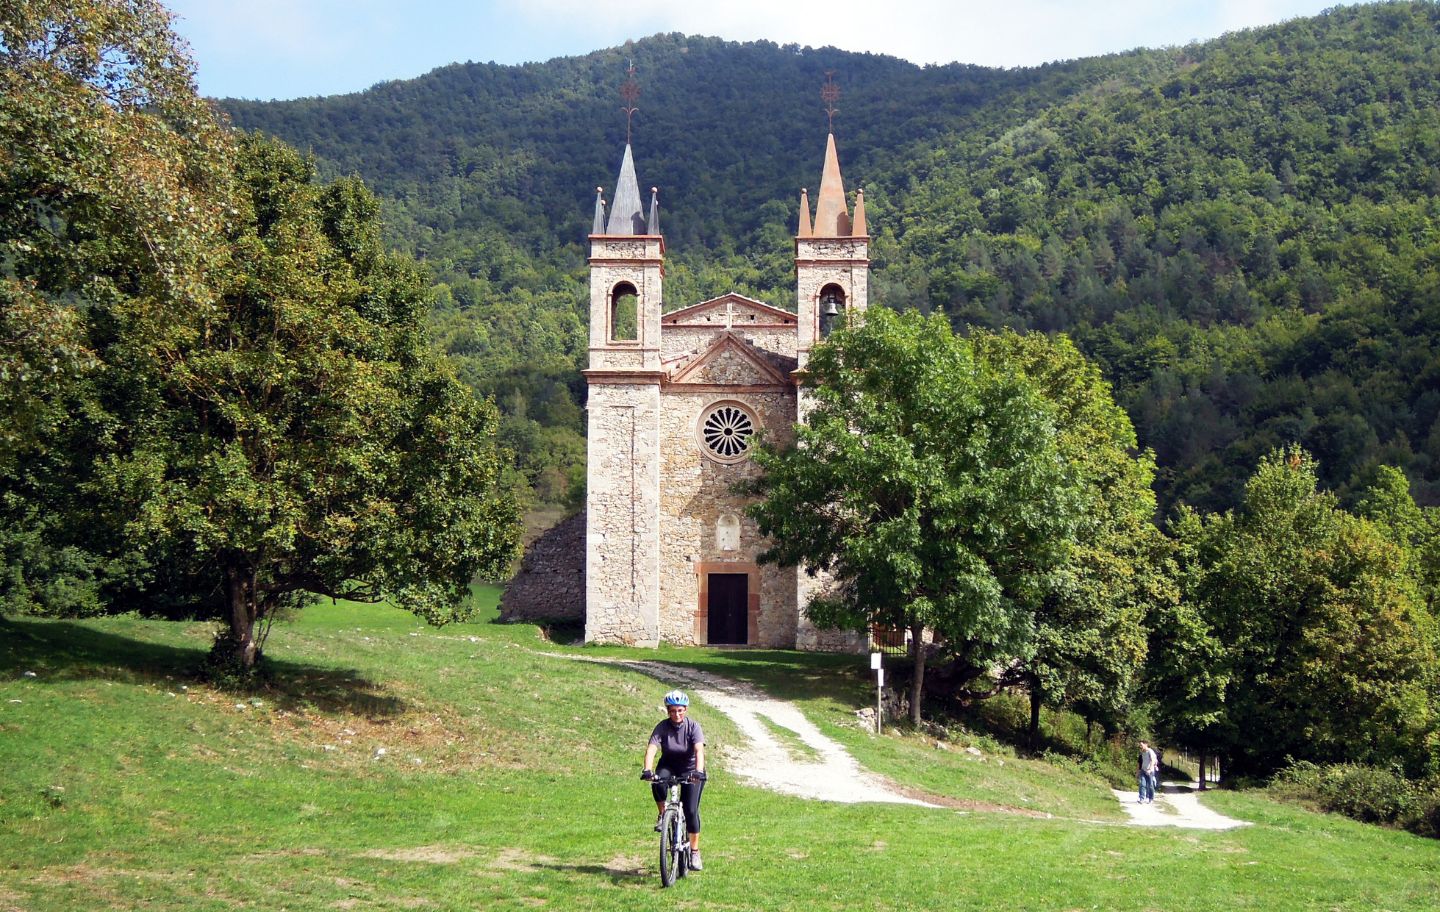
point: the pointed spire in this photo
(625, 214)
(859, 229)
(599, 227)
(804, 231)
(652, 225)
(831, 216)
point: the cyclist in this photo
(681, 746)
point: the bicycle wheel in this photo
(682, 847)
(669, 848)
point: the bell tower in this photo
(832, 257)
(622, 568)
(832, 281)
(627, 269)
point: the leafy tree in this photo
(1090, 637)
(1387, 503)
(1185, 675)
(303, 436)
(253, 406)
(1327, 655)
(928, 484)
(113, 186)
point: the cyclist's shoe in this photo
(695, 864)
(659, 817)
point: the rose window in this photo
(726, 431)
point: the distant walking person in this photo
(1149, 768)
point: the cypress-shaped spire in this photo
(652, 225)
(804, 231)
(626, 216)
(859, 229)
(832, 217)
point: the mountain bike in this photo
(674, 842)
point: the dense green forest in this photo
(1241, 231)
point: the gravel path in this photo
(1176, 804)
(827, 772)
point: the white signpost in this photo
(879, 688)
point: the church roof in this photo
(704, 313)
(626, 216)
(832, 216)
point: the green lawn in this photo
(508, 780)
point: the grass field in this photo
(396, 766)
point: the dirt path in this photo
(1176, 804)
(824, 771)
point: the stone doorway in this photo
(728, 609)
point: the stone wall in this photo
(685, 340)
(703, 520)
(622, 542)
(551, 583)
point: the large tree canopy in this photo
(1090, 626)
(928, 484)
(304, 437)
(114, 184)
(256, 412)
(1325, 651)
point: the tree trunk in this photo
(1034, 733)
(917, 680)
(240, 594)
(1202, 771)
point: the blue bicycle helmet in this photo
(677, 698)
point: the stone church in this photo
(676, 401)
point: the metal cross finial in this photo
(629, 92)
(830, 93)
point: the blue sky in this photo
(295, 48)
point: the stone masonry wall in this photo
(696, 495)
(684, 340)
(551, 583)
(622, 542)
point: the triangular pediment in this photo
(741, 311)
(730, 360)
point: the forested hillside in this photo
(1243, 232)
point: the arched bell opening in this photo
(832, 308)
(624, 313)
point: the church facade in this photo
(676, 402)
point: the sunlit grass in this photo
(394, 765)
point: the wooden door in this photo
(729, 601)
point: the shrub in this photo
(1365, 793)
(1091, 765)
(1422, 817)
(1368, 794)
